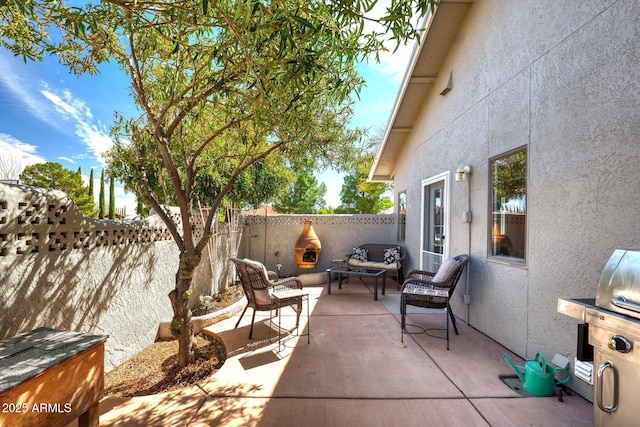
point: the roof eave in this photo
(440, 29)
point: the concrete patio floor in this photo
(354, 372)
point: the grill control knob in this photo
(620, 344)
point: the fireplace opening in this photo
(309, 255)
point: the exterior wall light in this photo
(462, 173)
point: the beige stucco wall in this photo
(62, 270)
(563, 79)
(338, 234)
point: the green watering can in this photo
(539, 377)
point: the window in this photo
(402, 215)
(509, 206)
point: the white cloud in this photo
(53, 107)
(25, 154)
(393, 62)
(127, 201)
(21, 86)
(66, 159)
(93, 135)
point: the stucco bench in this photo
(375, 258)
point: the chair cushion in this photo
(261, 296)
(373, 264)
(391, 255)
(360, 254)
(445, 270)
(258, 266)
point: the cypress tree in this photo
(112, 198)
(91, 183)
(91, 192)
(101, 201)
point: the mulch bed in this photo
(154, 369)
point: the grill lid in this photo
(619, 288)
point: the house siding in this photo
(561, 78)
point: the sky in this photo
(50, 115)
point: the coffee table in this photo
(345, 271)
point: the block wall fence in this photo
(271, 239)
(62, 270)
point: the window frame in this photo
(402, 217)
(505, 259)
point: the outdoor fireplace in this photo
(307, 247)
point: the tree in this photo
(57, 177)
(222, 86)
(10, 167)
(359, 196)
(305, 195)
(112, 198)
(101, 201)
(91, 183)
(510, 176)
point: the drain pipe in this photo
(467, 295)
(464, 174)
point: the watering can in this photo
(538, 378)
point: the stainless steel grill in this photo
(614, 331)
(619, 288)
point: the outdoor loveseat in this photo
(380, 256)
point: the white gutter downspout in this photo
(468, 218)
(467, 295)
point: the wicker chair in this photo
(432, 290)
(256, 283)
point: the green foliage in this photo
(112, 198)
(91, 184)
(101, 201)
(305, 195)
(510, 177)
(141, 209)
(359, 196)
(55, 176)
(222, 87)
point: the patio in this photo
(355, 371)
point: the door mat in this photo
(515, 383)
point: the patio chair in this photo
(256, 283)
(432, 290)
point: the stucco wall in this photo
(62, 270)
(563, 79)
(338, 234)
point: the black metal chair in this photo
(432, 290)
(256, 283)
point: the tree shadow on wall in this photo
(74, 289)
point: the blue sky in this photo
(48, 114)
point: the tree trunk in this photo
(181, 325)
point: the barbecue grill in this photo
(614, 332)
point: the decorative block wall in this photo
(264, 237)
(62, 270)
